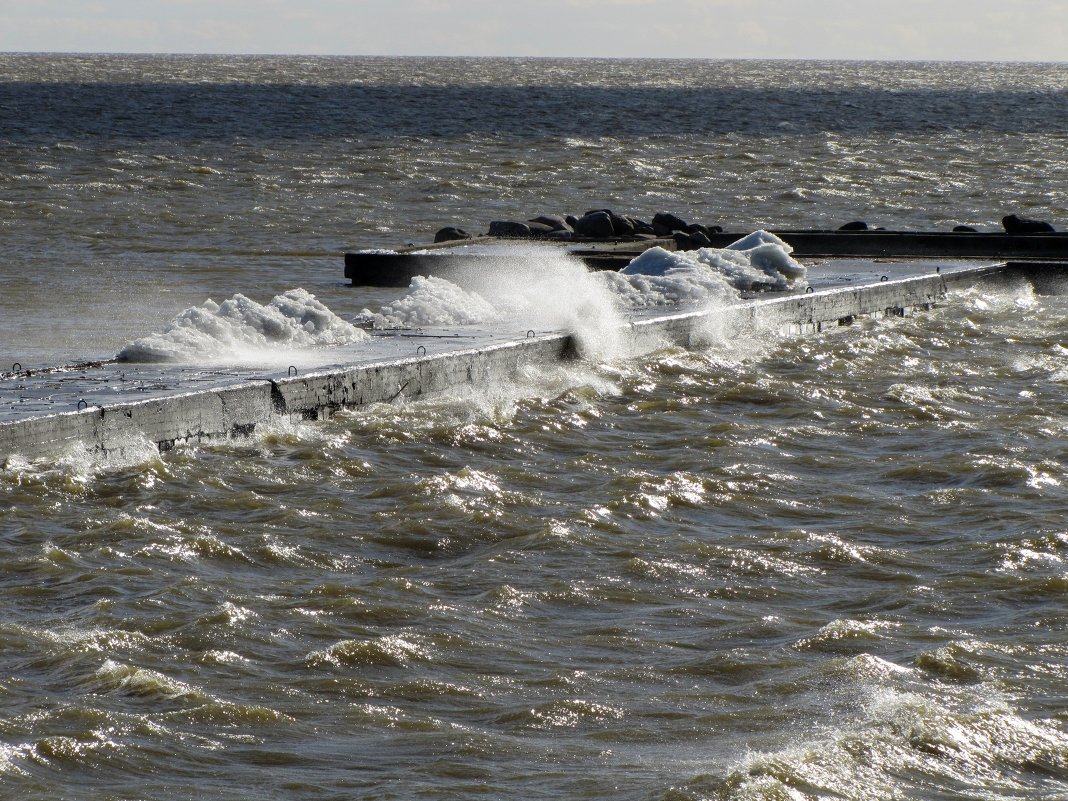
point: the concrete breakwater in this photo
(387, 370)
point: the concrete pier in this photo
(112, 407)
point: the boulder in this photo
(856, 225)
(641, 226)
(621, 226)
(539, 229)
(964, 229)
(694, 228)
(554, 221)
(508, 228)
(596, 224)
(685, 241)
(560, 234)
(701, 238)
(571, 219)
(451, 234)
(1021, 225)
(666, 224)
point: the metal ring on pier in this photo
(16, 367)
(531, 334)
(884, 278)
(82, 404)
(421, 350)
(292, 370)
(810, 290)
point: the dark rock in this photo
(563, 233)
(685, 241)
(701, 238)
(641, 226)
(539, 229)
(571, 219)
(1022, 225)
(508, 228)
(451, 234)
(856, 225)
(964, 229)
(715, 229)
(597, 224)
(694, 228)
(621, 226)
(554, 221)
(665, 224)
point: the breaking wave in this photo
(554, 289)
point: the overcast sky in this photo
(998, 30)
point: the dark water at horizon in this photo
(762, 569)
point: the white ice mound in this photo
(432, 301)
(760, 259)
(242, 329)
(663, 280)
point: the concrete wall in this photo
(238, 410)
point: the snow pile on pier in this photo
(548, 288)
(758, 261)
(242, 329)
(661, 277)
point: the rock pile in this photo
(595, 224)
(601, 224)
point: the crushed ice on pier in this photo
(242, 328)
(553, 290)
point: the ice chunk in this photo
(240, 329)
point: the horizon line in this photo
(892, 60)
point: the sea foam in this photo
(242, 329)
(542, 289)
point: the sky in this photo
(969, 30)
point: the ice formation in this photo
(242, 329)
(549, 288)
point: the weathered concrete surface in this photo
(238, 409)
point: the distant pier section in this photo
(605, 240)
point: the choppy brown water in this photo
(766, 569)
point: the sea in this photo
(768, 567)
